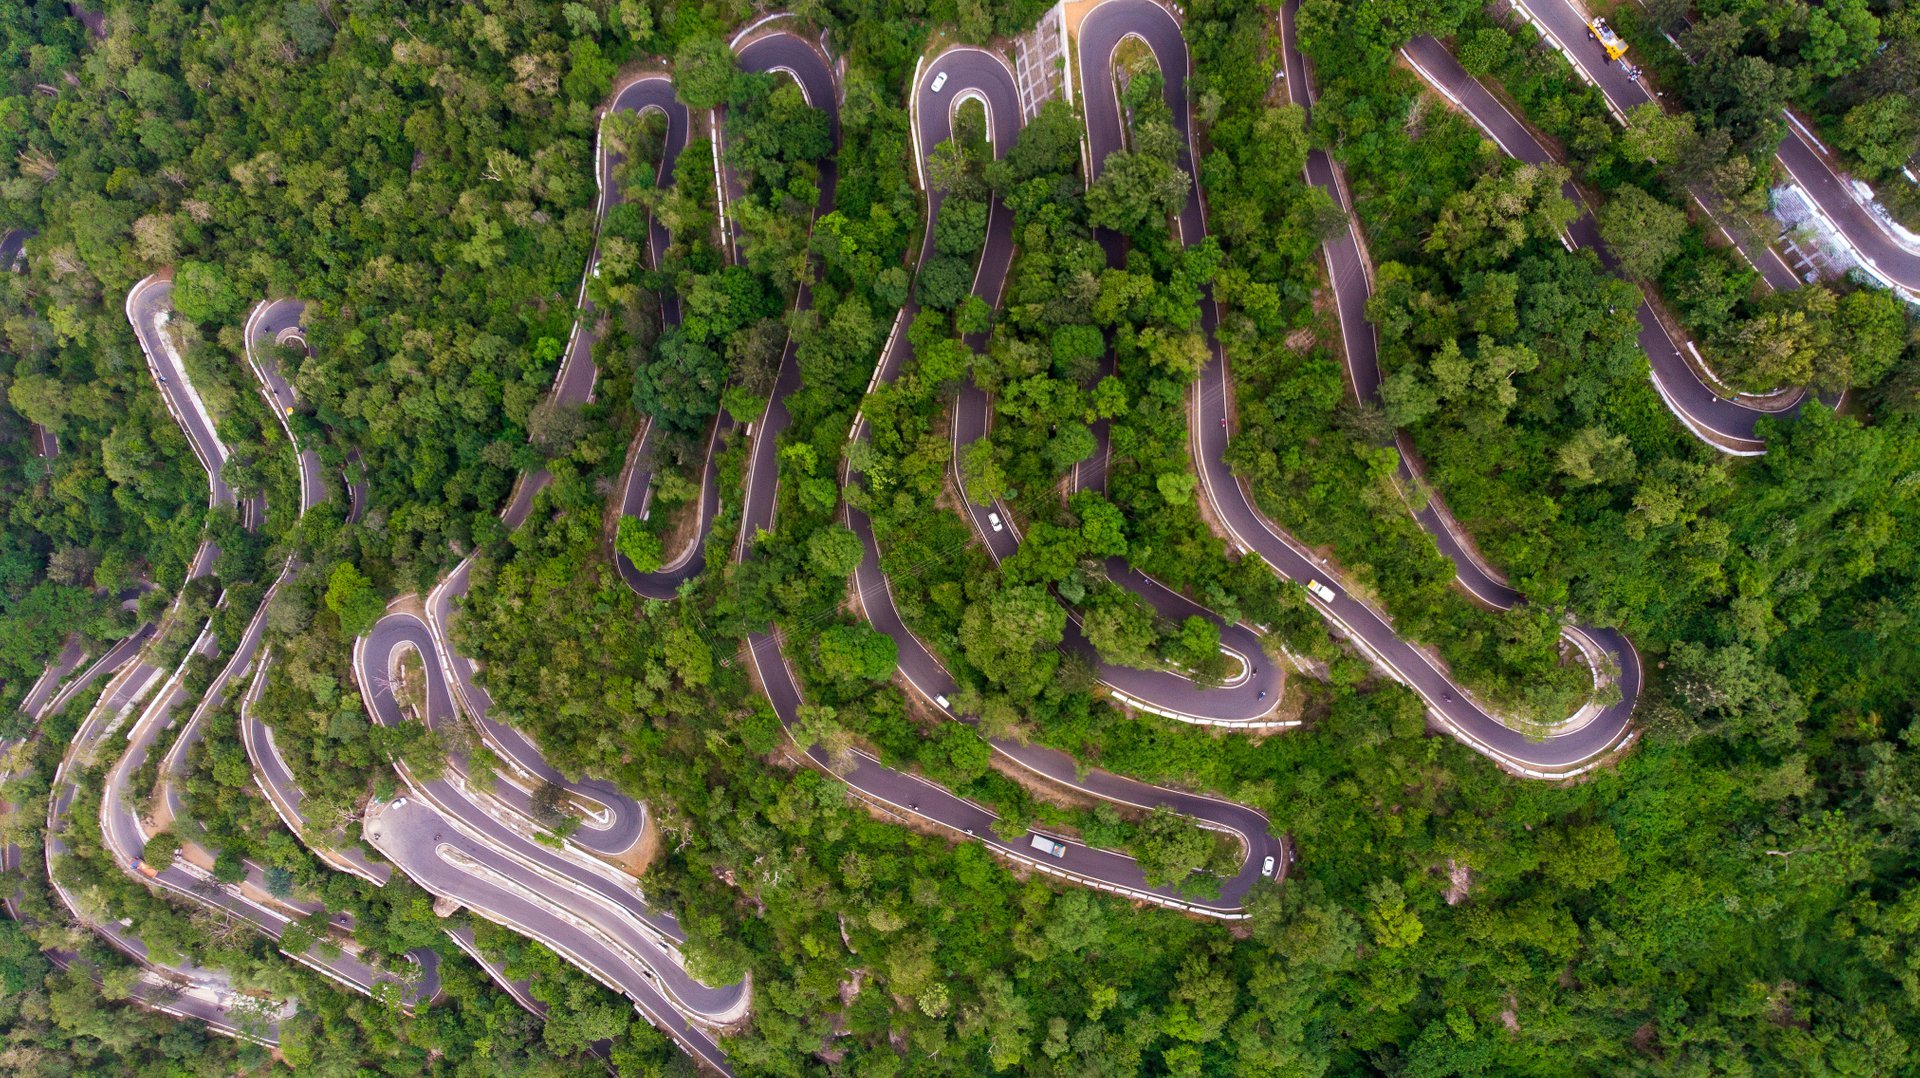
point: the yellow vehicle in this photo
(1598, 30)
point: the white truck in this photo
(1048, 846)
(1320, 591)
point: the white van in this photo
(1050, 847)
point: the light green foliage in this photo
(638, 544)
(352, 598)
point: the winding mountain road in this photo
(480, 848)
(1570, 750)
(636, 490)
(1801, 154)
(615, 822)
(969, 73)
(1894, 261)
(272, 323)
(451, 864)
(120, 819)
(584, 911)
(149, 309)
(212, 998)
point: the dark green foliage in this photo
(1735, 896)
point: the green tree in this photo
(1502, 212)
(1643, 232)
(1121, 628)
(638, 544)
(834, 552)
(161, 849)
(202, 292)
(1137, 190)
(1729, 691)
(1392, 925)
(703, 71)
(1011, 638)
(1595, 456)
(1170, 847)
(1882, 134)
(857, 653)
(351, 597)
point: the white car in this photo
(942, 701)
(399, 802)
(994, 519)
(939, 81)
(1266, 867)
(1320, 591)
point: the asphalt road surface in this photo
(11, 245)
(149, 308)
(636, 493)
(601, 910)
(272, 323)
(148, 311)
(974, 72)
(595, 905)
(617, 821)
(451, 864)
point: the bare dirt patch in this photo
(410, 603)
(1459, 883)
(682, 530)
(640, 857)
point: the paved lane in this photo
(1566, 753)
(273, 323)
(601, 893)
(452, 865)
(616, 822)
(149, 309)
(975, 72)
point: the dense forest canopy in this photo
(1736, 894)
